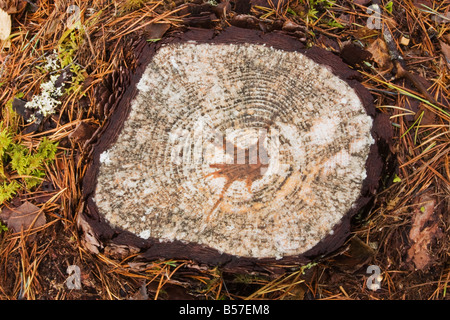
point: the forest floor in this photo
(401, 50)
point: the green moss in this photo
(3, 228)
(132, 5)
(8, 190)
(316, 10)
(69, 44)
(24, 164)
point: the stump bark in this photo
(239, 149)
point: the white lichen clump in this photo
(161, 179)
(48, 100)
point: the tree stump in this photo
(236, 149)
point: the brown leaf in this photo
(428, 118)
(5, 25)
(446, 51)
(380, 55)
(83, 132)
(13, 6)
(156, 30)
(24, 217)
(245, 21)
(297, 292)
(356, 255)
(422, 4)
(291, 26)
(52, 26)
(89, 241)
(441, 18)
(423, 231)
(362, 2)
(118, 251)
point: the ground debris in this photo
(362, 2)
(423, 231)
(356, 255)
(446, 52)
(354, 55)
(23, 217)
(380, 54)
(120, 251)
(155, 31)
(83, 132)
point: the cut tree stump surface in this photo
(239, 149)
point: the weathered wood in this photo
(120, 107)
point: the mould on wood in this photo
(238, 148)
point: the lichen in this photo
(163, 179)
(48, 100)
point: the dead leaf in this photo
(89, 241)
(19, 107)
(355, 255)
(5, 25)
(362, 2)
(156, 30)
(245, 21)
(83, 131)
(428, 118)
(423, 231)
(13, 6)
(23, 217)
(441, 18)
(119, 251)
(297, 292)
(422, 4)
(380, 55)
(52, 26)
(138, 266)
(291, 26)
(446, 51)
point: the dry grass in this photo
(37, 269)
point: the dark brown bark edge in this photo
(152, 249)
